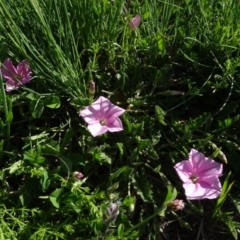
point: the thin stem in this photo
(147, 219)
(5, 106)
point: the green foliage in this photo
(177, 77)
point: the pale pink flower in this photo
(15, 76)
(78, 175)
(135, 22)
(102, 116)
(176, 205)
(200, 176)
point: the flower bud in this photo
(112, 212)
(92, 87)
(135, 22)
(78, 175)
(113, 209)
(176, 205)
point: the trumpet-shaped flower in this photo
(135, 22)
(200, 176)
(15, 76)
(102, 116)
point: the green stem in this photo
(146, 219)
(3, 94)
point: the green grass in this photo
(187, 46)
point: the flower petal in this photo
(203, 189)
(184, 170)
(114, 111)
(12, 85)
(8, 70)
(89, 115)
(101, 106)
(24, 70)
(134, 23)
(97, 110)
(204, 166)
(115, 125)
(97, 129)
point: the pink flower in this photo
(134, 23)
(15, 76)
(102, 116)
(176, 205)
(200, 176)
(78, 175)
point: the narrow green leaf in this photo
(45, 181)
(25, 199)
(120, 230)
(171, 194)
(160, 114)
(36, 108)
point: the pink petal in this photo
(204, 166)
(97, 129)
(134, 23)
(102, 108)
(8, 70)
(97, 110)
(184, 170)
(89, 115)
(115, 125)
(114, 111)
(12, 85)
(24, 70)
(201, 190)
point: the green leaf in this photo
(51, 147)
(224, 193)
(16, 166)
(9, 117)
(142, 187)
(54, 197)
(160, 114)
(129, 201)
(36, 108)
(52, 102)
(66, 163)
(120, 148)
(2, 124)
(67, 139)
(33, 156)
(120, 230)
(171, 194)
(160, 42)
(25, 199)
(45, 181)
(124, 171)
(80, 102)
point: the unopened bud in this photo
(134, 23)
(112, 212)
(113, 209)
(176, 205)
(78, 175)
(92, 87)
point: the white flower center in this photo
(102, 122)
(194, 178)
